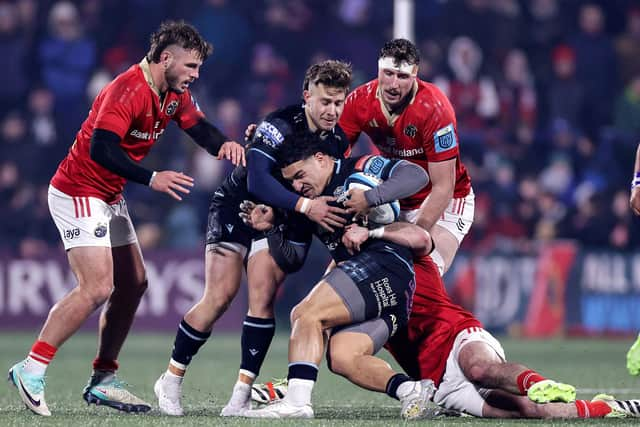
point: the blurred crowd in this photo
(546, 92)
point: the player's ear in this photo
(306, 95)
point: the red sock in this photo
(528, 378)
(597, 409)
(105, 365)
(42, 352)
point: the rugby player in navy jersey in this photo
(269, 257)
(367, 296)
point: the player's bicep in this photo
(443, 173)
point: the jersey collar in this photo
(391, 118)
(146, 72)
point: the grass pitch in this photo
(592, 365)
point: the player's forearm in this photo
(409, 235)
(106, 151)
(207, 136)
(434, 206)
(405, 180)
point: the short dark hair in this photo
(179, 33)
(331, 73)
(400, 50)
(300, 146)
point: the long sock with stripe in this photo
(187, 343)
(256, 338)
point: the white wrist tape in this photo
(153, 175)
(376, 233)
(306, 203)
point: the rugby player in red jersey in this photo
(411, 119)
(447, 347)
(86, 203)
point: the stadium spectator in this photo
(596, 67)
(86, 203)
(627, 109)
(627, 46)
(13, 45)
(67, 57)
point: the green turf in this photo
(589, 364)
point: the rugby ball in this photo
(379, 215)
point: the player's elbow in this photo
(421, 242)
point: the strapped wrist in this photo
(376, 233)
(306, 204)
(153, 175)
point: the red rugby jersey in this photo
(130, 107)
(425, 131)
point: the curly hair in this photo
(179, 33)
(401, 50)
(331, 73)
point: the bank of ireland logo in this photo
(101, 230)
(172, 107)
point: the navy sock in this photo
(256, 338)
(303, 371)
(394, 383)
(187, 343)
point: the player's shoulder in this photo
(430, 95)
(128, 86)
(291, 114)
(365, 91)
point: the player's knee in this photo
(141, 285)
(303, 314)
(338, 361)
(100, 291)
(477, 373)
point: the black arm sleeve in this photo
(207, 136)
(405, 179)
(106, 151)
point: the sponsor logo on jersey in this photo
(270, 134)
(146, 135)
(410, 131)
(172, 107)
(139, 134)
(100, 231)
(445, 139)
(394, 152)
(229, 227)
(71, 234)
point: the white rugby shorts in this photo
(457, 218)
(89, 221)
(456, 391)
